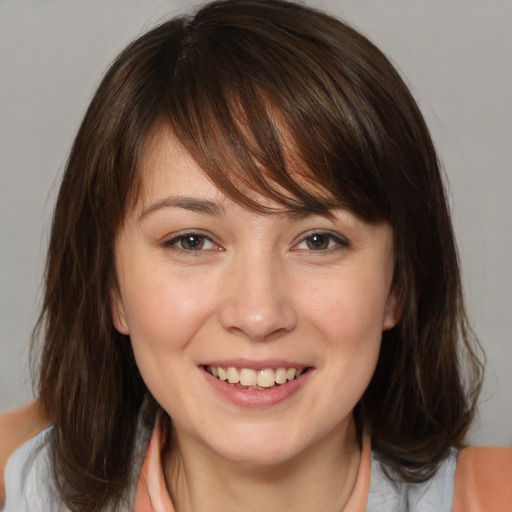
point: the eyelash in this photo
(334, 242)
(174, 243)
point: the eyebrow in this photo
(186, 203)
(211, 208)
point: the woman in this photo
(252, 258)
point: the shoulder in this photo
(483, 480)
(16, 428)
(28, 466)
(29, 477)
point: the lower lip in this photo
(256, 397)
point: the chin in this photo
(258, 456)
(261, 447)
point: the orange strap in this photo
(483, 480)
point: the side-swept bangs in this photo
(300, 120)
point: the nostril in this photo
(258, 335)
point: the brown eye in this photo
(191, 242)
(318, 241)
(321, 242)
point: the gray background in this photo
(455, 55)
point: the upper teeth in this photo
(265, 378)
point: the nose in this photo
(258, 302)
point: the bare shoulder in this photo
(483, 480)
(16, 428)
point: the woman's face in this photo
(207, 288)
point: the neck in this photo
(319, 478)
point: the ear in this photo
(393, 310)
(118, 313)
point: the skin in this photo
(258, 289)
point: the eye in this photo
(321, 241)
(191, 242)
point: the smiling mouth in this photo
(247, 378)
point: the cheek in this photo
(164, 310)
(350, 319)
(350, 312)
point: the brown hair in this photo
(261, 93)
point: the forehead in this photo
(167, 166)
(170, 177)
